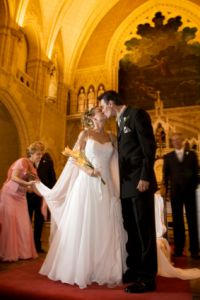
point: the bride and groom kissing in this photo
(105, 233)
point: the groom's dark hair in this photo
(111, 95)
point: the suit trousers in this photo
(34, 207)
(178, 201)
(139, 222)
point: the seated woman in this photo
(165, 267)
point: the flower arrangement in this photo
(80, 158)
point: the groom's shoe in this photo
(141, 287)
(129, 278)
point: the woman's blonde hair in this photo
(86, 119)
(36, 146)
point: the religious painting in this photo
(165, 58)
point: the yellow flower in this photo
(80, 158)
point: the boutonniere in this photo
(125, 119)
(187, 153)
(127, 129)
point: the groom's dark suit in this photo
(136, 146)
(182, 177)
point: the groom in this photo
(136, 148)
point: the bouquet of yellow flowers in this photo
(80, 158)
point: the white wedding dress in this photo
(88, 242)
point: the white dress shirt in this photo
(118, 119)
(180, 154)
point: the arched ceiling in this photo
(86, 26)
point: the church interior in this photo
(57, 57)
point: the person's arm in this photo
(196, 169)
(21, 166)
(165, 181)
(16, 177)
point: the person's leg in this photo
(133, 244)
(191, 214)
(178, 224)
(31, 204)
(146, 257)
(144, 214)
(38, 224)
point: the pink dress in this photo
(16, 236)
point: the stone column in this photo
(9, 37)
(62, 97)
(38, 69)
(73, 102)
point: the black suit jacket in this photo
(137, 147)
(180, 176)
(46, 171)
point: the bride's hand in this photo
(95, 173)
(29, 186)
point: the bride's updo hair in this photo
(86, 119)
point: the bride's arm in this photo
(113, 139)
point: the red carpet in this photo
(22, 281)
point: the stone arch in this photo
(34, 42)
(33, 29)
(13, 133)
(7, 100)
(4, 22)
(59, 51)
(62, 9)
(22, 52)
(21, 11)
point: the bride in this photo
(88, 244)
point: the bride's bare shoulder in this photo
(83, 134)
(82, 138)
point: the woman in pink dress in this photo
(16, 236)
